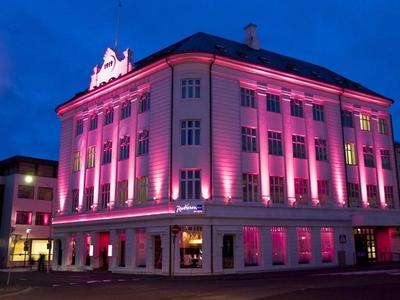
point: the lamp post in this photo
(14, 239)
(26, 245)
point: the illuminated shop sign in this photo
(189, 208)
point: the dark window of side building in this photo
(296, 108)
(93, 122)
(143, 142)
(249, 139)
(190, 132)
(353, 190)
(369, 160)
(299, 146)
(124, 146)
(190, 88)
(125, 110)
(107, 152)
(45, 193)
(43, 219)
(321, 152)
(385, 158)
(79, 127)
(250, 187)
(275, 143)
(109, 116)
(190, 182)
(389, 196)
(372, 196)
(46, 171)
(26, 191)
(273, 103)
(277, 189)
(347, 118)
(247, 98)
(382, 126)
(301, 190)
(23, 218)
(144, 102)
(318, 112)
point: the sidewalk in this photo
(18, 270)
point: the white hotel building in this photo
(261, 162)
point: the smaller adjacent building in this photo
(27, 190)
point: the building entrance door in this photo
(157, 252)
(227, 251)
(365, 244)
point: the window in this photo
(191, 247)
(321, 153)
(42, 219)
(46, 171)
(323, 191)
(353, 190)
(251, 247)
(105, 195)
(122, 193)
(350, 153)
(142, 189)
(77, 161)
(75, 200)
(296, 108)
(125, 110)
(190, 184)
(93, 122)
(275, 143)
(385, 158)
(249, 139)
(26, 191)
(190, 88)
(143, 142)
(304, 245)
(369, 160)
(250, 187)
(23, 218)
(45, 193)
(79, 127)
(278, 245)
(144, 102)
(277, 188)
(273, 103)
(89, 195)
(190, 132)
(247, 98)
(327, 246)
(91, 159)
(140, 247)
(124, 147)
(301, 190)
(372, 196)
(299, 146)
(347, 118)
(109, 116)
(389, 197)
(365, 122)
(382, 126)
(107, 152)
(318, 112)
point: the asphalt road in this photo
(376, 283)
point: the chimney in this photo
(250, 38)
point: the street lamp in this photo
(26, 244)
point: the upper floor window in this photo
(296, 108)
(382, 126)
(318, 112)
(124, 147)
(75, 200)
(189, 187)
(91, 157)
(273, 103)
(107, 152)
(250, 187)
(368, 153)
(23, 218)
(143, 142)
(353, 191)
(142, 184)
(109, 116)
(299, 146)
(45, 193)
(247, 98)
(89, 196)
(190, 132)
(301, 190)
(389, 196)
(323, 191)
(26, 191)
(125, 110)
(190, 88)
(365, 122)
(144, 102)
(385, 158)
(122, 193)
(77, 161)
(350, 153)
(321, 152)
(42, 218)
(249, 139)
(275, 143)
(372, 196)
(105, 195)
(347, 118)
(277, 189)
(79, 127)
(93, 122)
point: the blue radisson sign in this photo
(189, 208)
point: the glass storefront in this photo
(191, 247)
(34, 248)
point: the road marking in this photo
(135, 279)
(395, 273)
(121, 280)
(73, 283)
(92, 281)
(106, 280)
(56, 285)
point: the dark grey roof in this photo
(207, 43)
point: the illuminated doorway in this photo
(365, 244)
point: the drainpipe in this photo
(343, 142)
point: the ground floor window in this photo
(327, 248)
(304, 245)
(278, 245)
(30, 250)
(141, 247)
(251, 239)
(191, 247)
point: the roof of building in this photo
(28, 159)
(207, 43)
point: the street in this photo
(366, 283)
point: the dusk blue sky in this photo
(48, 48)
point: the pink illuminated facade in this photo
(263, 161)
